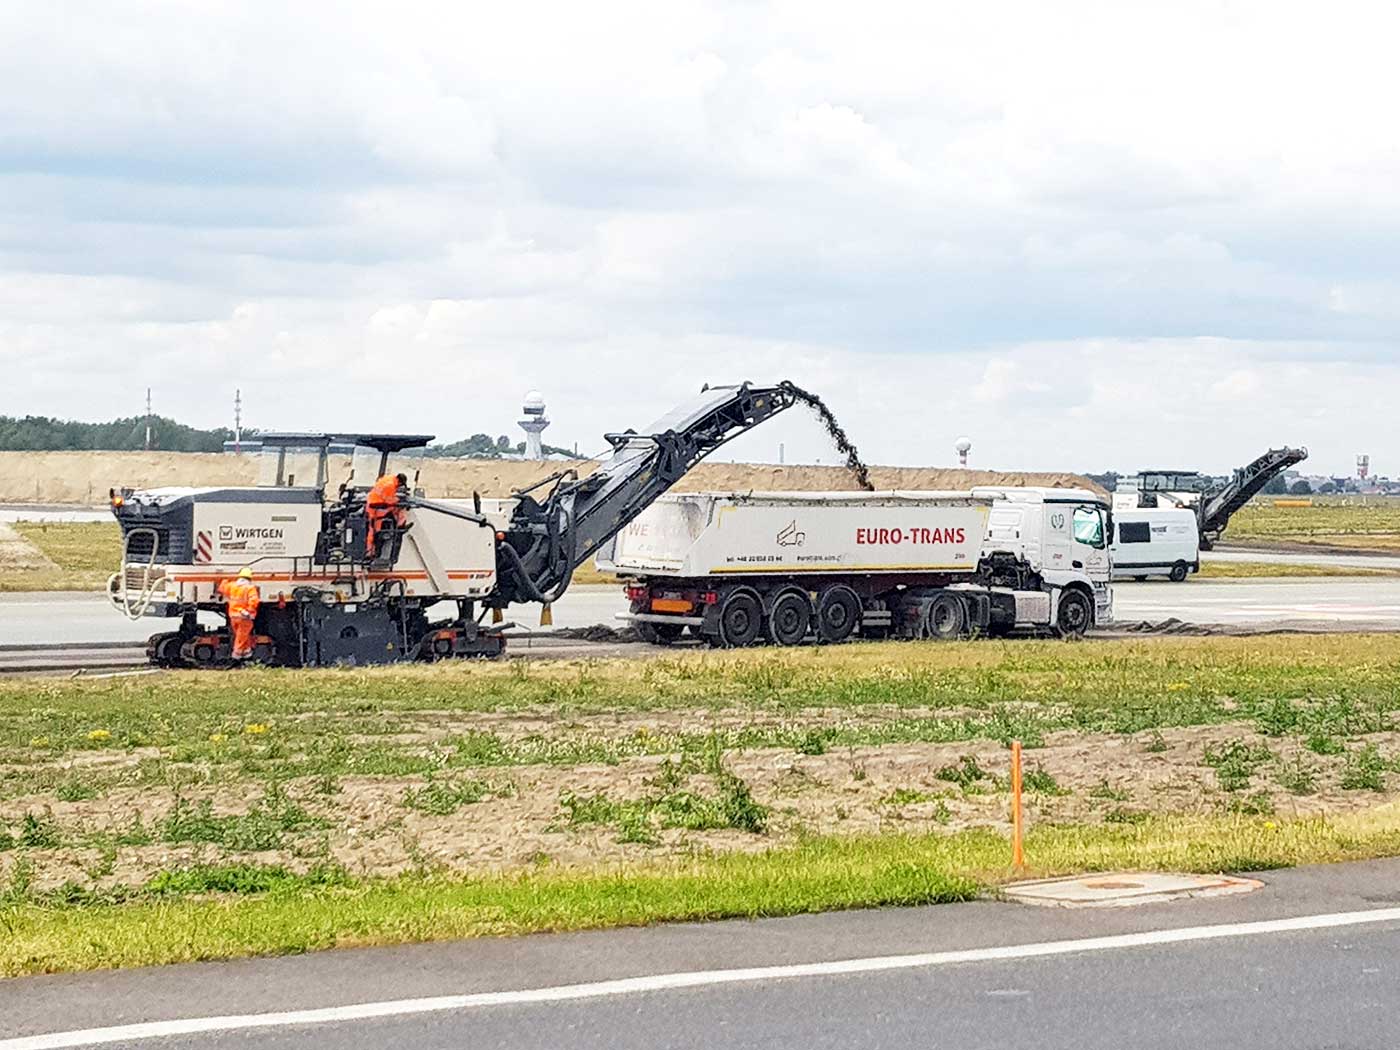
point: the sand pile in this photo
(85, 477)
(16, 552)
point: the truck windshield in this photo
(1088, 526)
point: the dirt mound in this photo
(16, 552)
(85, 477)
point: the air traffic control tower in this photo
(533, 424)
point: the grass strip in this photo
(1245, 570)
(822, 874)
(86, 553)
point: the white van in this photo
(1155, 543)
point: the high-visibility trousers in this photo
(242, 625)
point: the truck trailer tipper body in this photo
(782, 567)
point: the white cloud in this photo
(1087, 235)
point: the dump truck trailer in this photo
(788, 567)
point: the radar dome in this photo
(963, 444)
(534, 402)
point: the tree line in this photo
(45, 434)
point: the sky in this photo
(1084, 235)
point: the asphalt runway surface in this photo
(1342, 603)
(1312, 960)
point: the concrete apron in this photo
(1122, 889)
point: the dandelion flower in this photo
(99, 734)
(39, 741)
(216, 738)
(255, 729)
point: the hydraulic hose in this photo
(135, 610)
(531, 588)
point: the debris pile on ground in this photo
(597, 633)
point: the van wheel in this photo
(838, 612)
(1075, 615)
(946, 617)
(1178, 572)
(790, 618)
(740, 618)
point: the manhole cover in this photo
(1118, 889)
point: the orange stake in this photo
(1018, 857)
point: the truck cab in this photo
(1063, 535)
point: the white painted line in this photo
(695, 979)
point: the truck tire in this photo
(1178, 573)
(946, 617)
(659, 633)
(1075, 614)
(838, 613)
(789, 618)
(740, 618)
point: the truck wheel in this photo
(659, 633)
(740, 618)
(790, 618)
(947, 617)
(1178, 573)
(1075, 615)
(838, 612)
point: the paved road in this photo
(1310, 986)
(1344, 602)
(1358, 561)
(1350, 603)
(52, 512)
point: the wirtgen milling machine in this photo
(328, 596)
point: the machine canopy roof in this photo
(378, 442)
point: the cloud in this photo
(1086, 235)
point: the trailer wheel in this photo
(1075, 615)
(1178, 573)
(740, 618)
(838, 612)
(790, 618)
(946, 617)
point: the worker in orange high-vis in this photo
(243, 600)
(381, 504)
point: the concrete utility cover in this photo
(1118, 889)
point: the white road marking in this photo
(696, 979)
